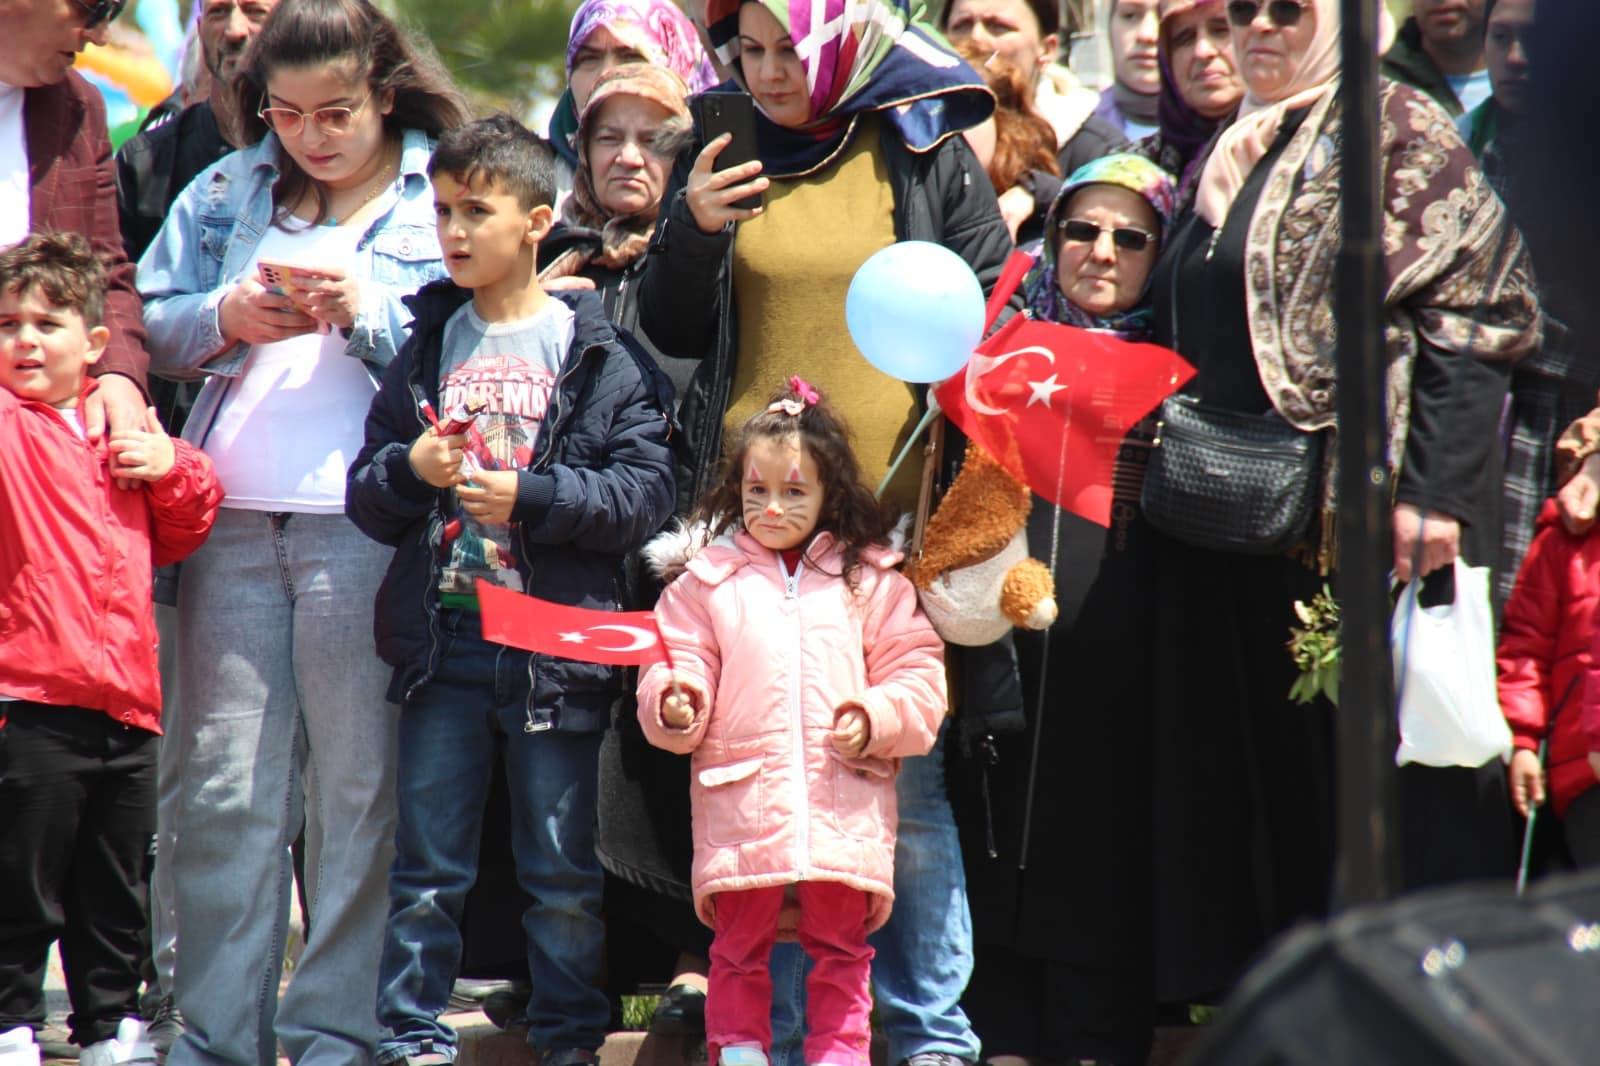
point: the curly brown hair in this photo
(1024, 140)
(850, 510)
(63, 268)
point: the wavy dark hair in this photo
(308, 33)
(850, 511)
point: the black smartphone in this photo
(735, 113)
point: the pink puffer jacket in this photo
(773, 802)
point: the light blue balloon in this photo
(915, 311)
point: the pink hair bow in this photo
(806, 397)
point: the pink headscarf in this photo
(658, 29)
(1241, 145)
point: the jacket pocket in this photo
(733, 798)
(20, 589)
(863, 796)
(406, 257)
(214, 237)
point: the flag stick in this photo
(927, 420)
(1527, 831)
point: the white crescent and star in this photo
(1039, 391)
(642, 638)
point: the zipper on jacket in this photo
(542, 458)
(430, 604)
(791, 591)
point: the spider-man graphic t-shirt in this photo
(510, 367)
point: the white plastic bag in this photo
(1444, 676)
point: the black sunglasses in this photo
(97, 12)
(1082, 231)
(1282, 13)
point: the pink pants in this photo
(833, 931)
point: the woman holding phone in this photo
(284, 718)
(870, 156)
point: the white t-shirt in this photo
(292, 421)
(15, 212)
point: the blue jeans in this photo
(281, 721)
(448, 735)
(924, 952)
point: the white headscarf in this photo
(1242, 144)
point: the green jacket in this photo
(1408, 64)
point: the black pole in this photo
(1366, 726)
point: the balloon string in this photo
(927, 420)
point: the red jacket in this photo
(76, 622)
(1547, 654)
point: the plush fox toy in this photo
(974, 574)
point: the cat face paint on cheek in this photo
(782, 497)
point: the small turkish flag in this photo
(1052, 404)
(618, 638)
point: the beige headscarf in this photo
(1241, 145)
(624, 238)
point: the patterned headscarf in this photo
(623, 238)
(656, 29)
(1040, 288)
(859, 56)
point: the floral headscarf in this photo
(656, 29)
(859, 56)
(1040, 288)
(623, 238)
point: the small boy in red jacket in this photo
(1549, 680)
(81, 525)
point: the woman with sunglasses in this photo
(284, 718)
(1243, 815)
(1059, 973)
(858, 111)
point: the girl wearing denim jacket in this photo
(283, 719)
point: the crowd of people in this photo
(319, 356)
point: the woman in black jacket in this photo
(859, 113)
(635, 119)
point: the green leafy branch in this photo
(1314, 647)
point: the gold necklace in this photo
(384, 181)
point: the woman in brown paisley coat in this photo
(1243, 787)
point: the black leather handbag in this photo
(1230, 480)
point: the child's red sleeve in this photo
(183, 505)
(1528, 637)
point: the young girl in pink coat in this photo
(802, 671)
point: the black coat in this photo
(686, 299)
(619, 293)
(600, 484)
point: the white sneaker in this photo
(17, 1047)
(130, 1047)
(738, 1055)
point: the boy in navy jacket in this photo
(564, 470)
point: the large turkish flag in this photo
(1052, 404)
